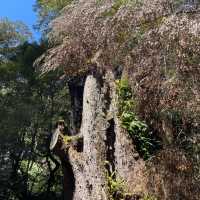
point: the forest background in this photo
(29, 106)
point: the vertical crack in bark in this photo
(110, 145)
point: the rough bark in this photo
(93, 129)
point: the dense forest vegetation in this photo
(139, 63)
(30, 106)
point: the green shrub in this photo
(136, 128)
(116, 186)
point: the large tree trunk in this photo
(101, 131)
(108, 149)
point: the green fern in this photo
(136, 128)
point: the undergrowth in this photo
(116, 186)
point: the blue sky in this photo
(20, 10)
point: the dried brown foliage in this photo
(171, 176)
(159, 50)
(97, 32)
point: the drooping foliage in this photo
(158, 47)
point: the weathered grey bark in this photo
(91, 182)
